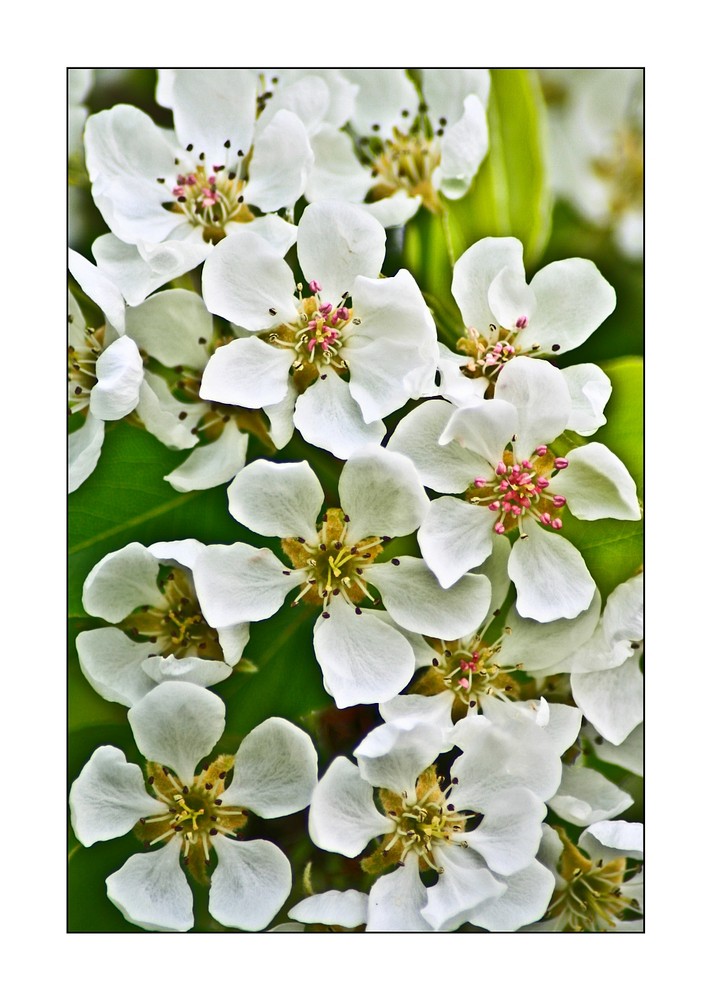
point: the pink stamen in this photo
(314, 286)
(546, 518)
(559, 501)
(342, 312)
(499, 528)
(463, 682)
(191, 179)
(501, 469)
(561, 463)
(209, 197)
(480, 481)
(557, 523)
(178, 192)
(522, 323)
(541, 450)
(495, 505)
(543, 482)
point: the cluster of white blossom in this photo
(443, 588)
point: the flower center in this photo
(469, 669)
(195, 812)
(333, 565)
(488, 354)
(404, 162)
(421, 824)
(210, 198)
(81, 364)
(518, 489)
(622, 170)
(316, 338)
(177, 625)
(593, 897)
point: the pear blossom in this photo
(303, 348)
(105, 369)
(408, 143)
(496, 453)
(599, 883)
(158, 630)
(477, 824)
(189, 814)
(168, 197)
(506, 318)
(364, 657)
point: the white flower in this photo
(406, 144)
(176, 330)
(385, 339)
(505, 318)
(599, 883)
(105, 369)
(161, 634)
(175, 726)
(363, 657)
(496, 454)
(167, 198)
(478, 827)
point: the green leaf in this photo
(510, 195)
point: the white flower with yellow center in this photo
(190, 814)
(475, 823)
(364, 658)
(159, 632)
(496, 454)
(169, 197)
(406, 145)
(341, 358)
(104, 367)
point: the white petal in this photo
(280, 234)
(590, 389)
(394, 755)
(141, 269)
(275, 770)
(188, 669)
(272, 498)
(414, 598)
(395, 210)
(572, 300)
(610, 839)
(464, 147)
(475, 271)
(343, 817)
(109, 797)
(177, 725)
(251, 882)
(160, 411)
(212, 106)
(246, 281)
(212, 464)
(112, 663)
(539, 392)
(328, 416)
(433, 710)
(152, 892)
(170, 325)
(333, 909)
(396, 900)
(281, 162)
(177, 553)
(484, 430)
(383, 95)
(455, 536)
(597, 484)
(84, 451)
(281, 418)
(447, 468)
(99, 288)
(238, 583)
(611, 699)
(121, 582)
(381, 493)
(585, 797)
(119, 372)
(465, 882)
(445, 90)
(233, 639)
(337, 172)
(540, 646)
(527, 896)
(550, 575)
(336, 243)
(508, 836)
(363, 659)
(247, 372)
(629, 755)
(511, 299)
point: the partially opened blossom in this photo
(169, 197)
(476, 823)
(332, 363)
(105, 369)
(599, 883)
(496, 455)
(407, 144)
(158, 629)
(189, 814)
(364, 658)
(505, 318)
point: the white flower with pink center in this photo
(506, 318)
(169, 197)
(365, 655)
(331, 363)
(496, 455)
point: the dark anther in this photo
(240, 152)
(189, 147)
(185, 789)
(213, 832)
(208, 785)
(451, 807)
(202, 340)
(161, 180)
(322, 547)
(336, 591)
(272, 311)
(556, 347)
(358, 611)
(322, 377)
(241, 199)
(232, 175)
(218, 802)
(405, 112)
(635, 645)
(376, 127)
(472, 704)
(436, 661)
(286, 572)
(78, 391)
(202, 156)
(440, 132)
(301, 540)
(443, 121)
(396, 562)
(325, 614)
(497, 611)
(181, 198)
(182, 415)
(151, 780)
(222, 775)
(456, 781)
(226, 144)
(448, 652)
(422, 107)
